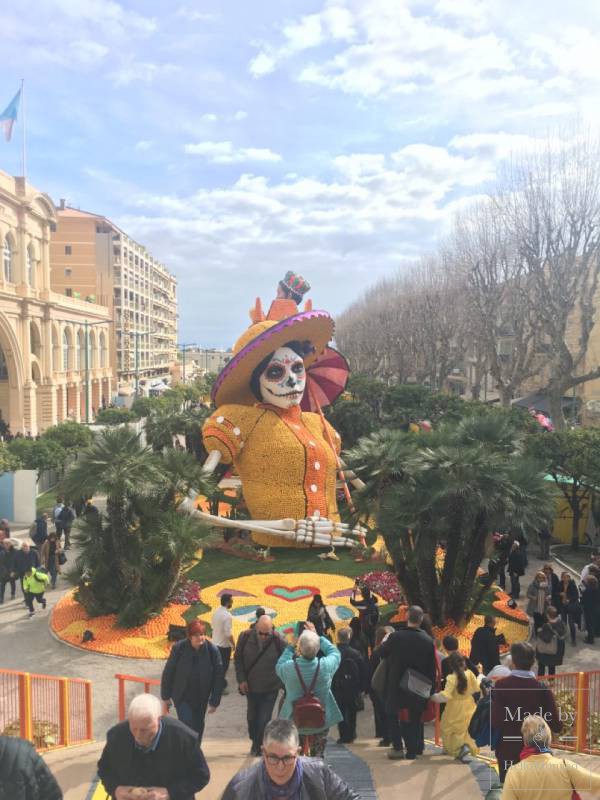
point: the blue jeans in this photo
(193, 716)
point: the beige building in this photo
(92, 258)
(45, 376)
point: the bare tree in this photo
(503, 322)
(551, 202)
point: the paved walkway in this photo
(28, 645)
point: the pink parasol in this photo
(326, 379)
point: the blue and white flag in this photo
(9, 116)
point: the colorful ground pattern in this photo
(285, 596)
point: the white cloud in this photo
(226, 153)
(143, 145)
(88, 52)
(262, 64)
(193, 15)
(141, 72)
(209, 117)
(240, 115)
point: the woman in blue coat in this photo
(305, 657)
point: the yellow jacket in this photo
(547, 777)
(283, 457)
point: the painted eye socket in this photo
(298, 368)
(275, 372)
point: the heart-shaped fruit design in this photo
(292, 593)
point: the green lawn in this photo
(46, 501)
(217, 566)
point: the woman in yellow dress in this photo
(461, 685)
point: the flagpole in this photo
(23, 148)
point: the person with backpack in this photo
(368, 612)
(550, 643)
(39, 530)
(60, 504)
(66, 517)
(193, 678)
(257, 652)
(349, 681)
(309, 701)
(34, 584)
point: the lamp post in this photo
(183, 346)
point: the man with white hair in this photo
(151, 757)
(257, 652)
(283, 773)
(304, 675)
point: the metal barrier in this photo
(125, 698)
(49, 711)
(576, 694)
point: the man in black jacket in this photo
(485, 649)
(193, 678)
(350, 679)
(407, 649)
(149, 750)
(257, 651)
(24, 774)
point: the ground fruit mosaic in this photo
(284, 596)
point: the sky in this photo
(238, 139)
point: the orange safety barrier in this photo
(123, 681)
(48, 710)
(576, 694)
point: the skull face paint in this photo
(283, 382)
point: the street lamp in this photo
(183, 346)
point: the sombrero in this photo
(233, 382)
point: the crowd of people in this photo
(36, 563)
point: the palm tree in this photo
(132, 557)
(453, 487)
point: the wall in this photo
(18, 492)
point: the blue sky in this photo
(335, 137)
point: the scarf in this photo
(541, 598)
(535, 751)
(290, 790)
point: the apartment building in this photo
(54, 349)
(92, 257)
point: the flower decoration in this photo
(384, 584)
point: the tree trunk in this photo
(506, 396)
(576, 509)
(555, 404)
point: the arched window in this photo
(3, 366)
(8, 261)
(65, 351)
(56, 366)
(102, 349)
(80, 351)
(30, 267)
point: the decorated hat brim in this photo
(233, 382)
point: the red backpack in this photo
(308, 709)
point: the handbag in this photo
(62, 558)
(416, 683)
(548, 648)
(379, 679)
